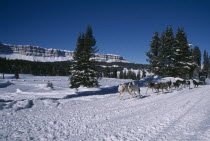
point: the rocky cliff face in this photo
(35, 53)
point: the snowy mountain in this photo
(39, 54)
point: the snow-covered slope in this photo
(18, 56)
(35, 53)
(30, 111)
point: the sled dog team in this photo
(135, 89)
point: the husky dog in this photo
(122, 88)
(195, 83)
(130, 88)
(181, 82)
(188, 83)
(169, 85)
(152, 85)
(133, 89)
(176, 84)
(164, 86)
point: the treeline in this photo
(62, 68)
(172, 55)
(35, 68)
(122, 65)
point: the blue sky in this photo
(123, 27)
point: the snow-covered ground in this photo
(31, 111)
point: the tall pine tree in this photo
(183, 58)
(166, 55)
(153, 54)
(196, 53)
(205, 61)
(84, 69)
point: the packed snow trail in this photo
(180, 115)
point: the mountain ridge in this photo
(40, 54)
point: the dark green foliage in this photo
(114, 72)
(125, 75)
(138, 77)
(206, 61)
(106, 72)
(161, 55)
(196, 53)
(16, 69)
(121, 75)
(35, 68)
(153, 53)
(172, 56)
(196, 62)
(60, 68)
(143, 73)
(183, 56)
(129, 74)
(4, 67)
(166, 55)
(84, 69)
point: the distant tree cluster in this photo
(61, 68)
(132, 75)
(35, 68)
(171, 55)
(113, 72)
(110, 72)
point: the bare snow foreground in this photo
(31, 111)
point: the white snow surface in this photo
(31, 111)
(15, 56)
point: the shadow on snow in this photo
(102, 91)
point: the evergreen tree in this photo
(138, 75)
(77, 73)
(172, 56)
(129, 74)
(208, 74)
(121, 75)
(206, 61)
(124, 75)
(153, 53)
(16, 70)
(196, 62)
(166, 54)
(183, 58)
(143, 73)
(133, 75)
(114, 73)
(84, 69)
(4, 67)
(107, 72)
(196, 53)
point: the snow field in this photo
(36, 113)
